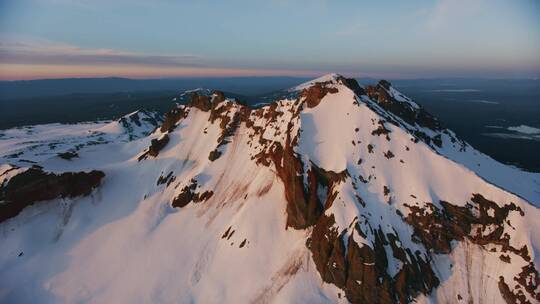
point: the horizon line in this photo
(265, 76)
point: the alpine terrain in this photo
(331, 193)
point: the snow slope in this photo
(522, 183)
(35, 144)
(294, 202)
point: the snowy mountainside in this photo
(402, 111)
(338, 193)
(34, 144)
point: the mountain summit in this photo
(337, 193)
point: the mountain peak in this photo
(331, 77)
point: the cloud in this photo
(26, 57)
(17, 50)
(518, 132)
(35, 58)
(525, 129)
(484, 101)
(454, 90)
(513, 136)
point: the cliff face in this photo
(337, 193)
(34, 185)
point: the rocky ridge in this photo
(356, 258)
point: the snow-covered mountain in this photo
(32, 144)
(337, 193)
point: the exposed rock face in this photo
(68, 155)
(518, 297)
(34, 185)
(168, 179)
(201, 102)
(328, 250)
(172, 118)
(315, 93)
(216, 99)
(214, 154)
(530, 280)
(437, 228)
(352, 84)
(416, 117)
(357, 270)
(229, 122)
(303, 204)
(157, 145)
(381, 130)
(362, 271)
(412, 115)
(189, 194)
(303, 182)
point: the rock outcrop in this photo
(189, 194)
(35, 185)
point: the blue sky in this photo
(165, 38)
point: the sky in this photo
(202, 38)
